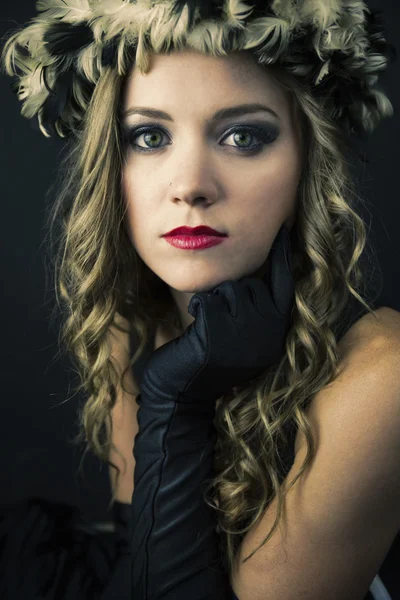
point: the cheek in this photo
(270, 198)
(268, 204)
(283, 171)
(277, 190)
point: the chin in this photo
(197, 289)
(186, 285)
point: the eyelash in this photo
(265, 135)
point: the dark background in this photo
(35, 456)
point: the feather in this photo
(237, 11)
(109, 53)
(321, 13)
(207, 9)
(65, 38)
(55, 103)
(376, 30)
(74, 10)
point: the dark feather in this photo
(109, 52)
(65, 38)
(208, 9)
(54, 105)
(376, 34)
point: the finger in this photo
(203, 300)
(228, 291)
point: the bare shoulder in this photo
(369, 366)
(383, 327)
(358, 414)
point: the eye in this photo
(262, 134)
(241, 134)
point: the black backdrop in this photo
(35, 456)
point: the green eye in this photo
(264, 136)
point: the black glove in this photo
(239, 330)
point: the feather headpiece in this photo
(337, 47)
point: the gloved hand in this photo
(239, 330)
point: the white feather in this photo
(71, 11)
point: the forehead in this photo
(188, 74)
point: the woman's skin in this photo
(195, 172)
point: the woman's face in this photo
(199, 171)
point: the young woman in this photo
(232, 376)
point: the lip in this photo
(194, 242)
(196, 231)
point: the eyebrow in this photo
(222, 113)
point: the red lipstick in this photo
(194, 238)
(199, 230)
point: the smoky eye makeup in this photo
(263, 134)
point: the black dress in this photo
(51, 551)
